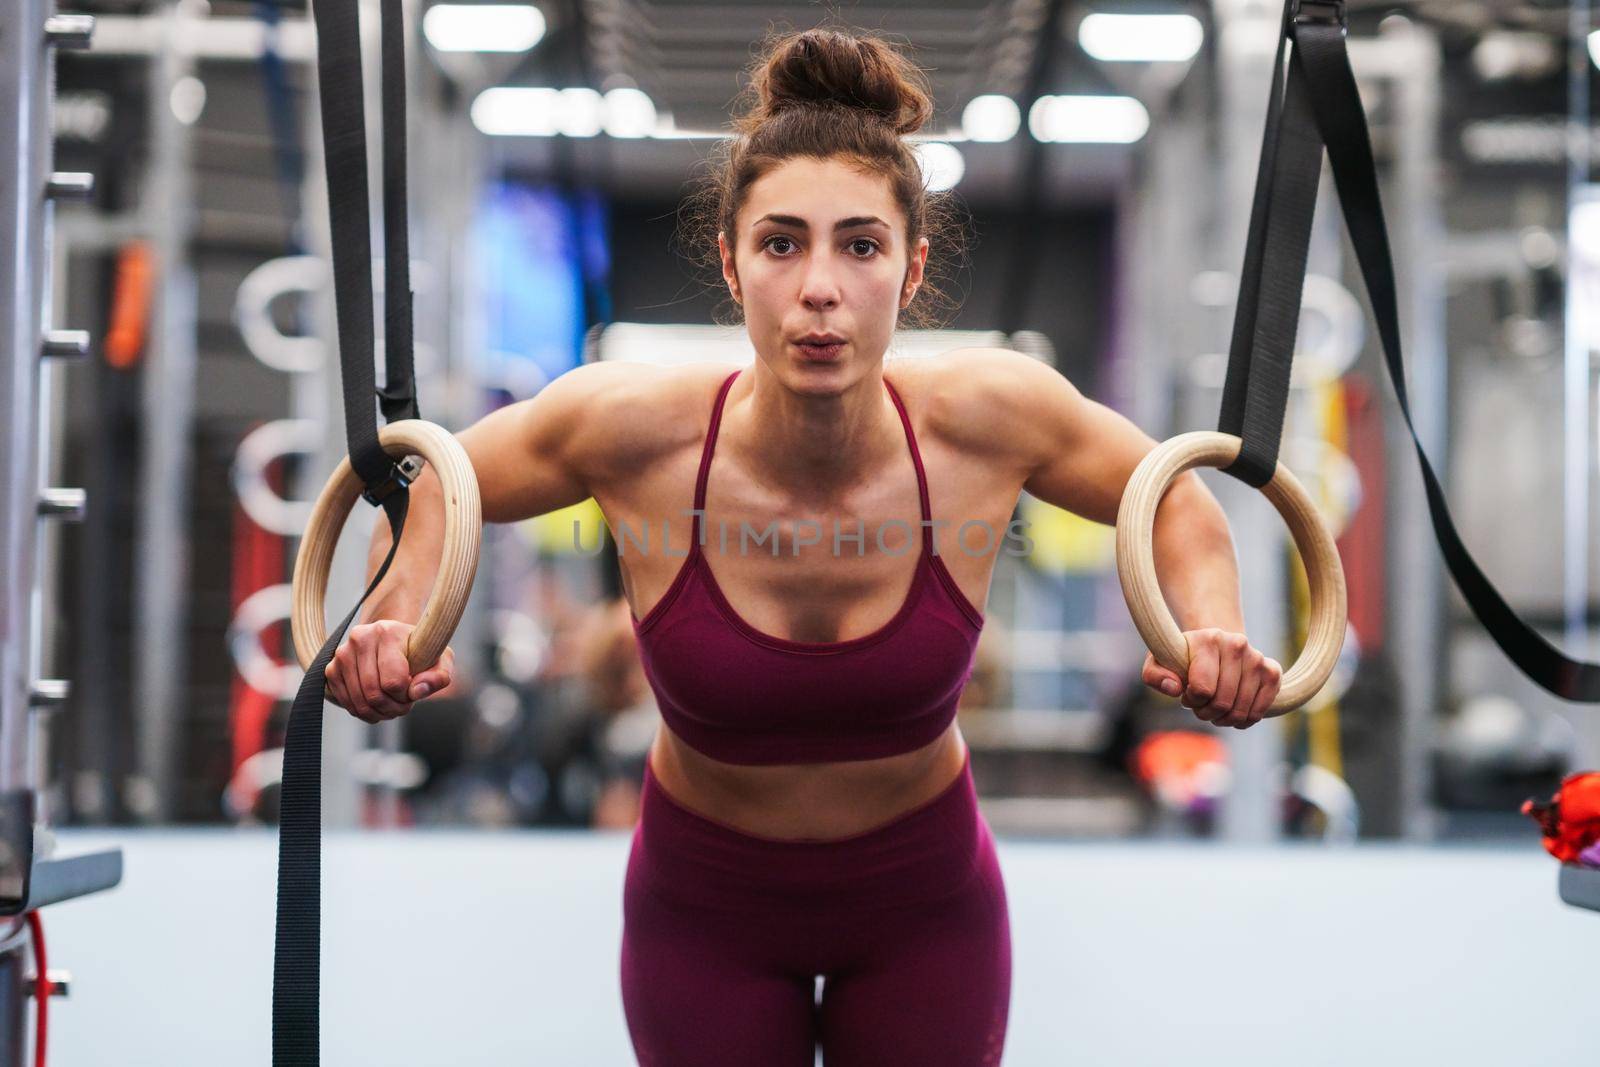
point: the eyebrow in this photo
(843, 224)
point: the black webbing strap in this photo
(398, 397)
(297, 955)
(1320, 107)
(1256, 390)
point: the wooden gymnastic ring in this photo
(1136, 565)
(463, 532)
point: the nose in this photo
(819, 288)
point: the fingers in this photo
(1232, 649)
(334, 675)
(1229, 682)
(1249, 686)
(364, 655)
(368, 675)
(355, 702)
(342, 685)
(1262, 678)
(1271, 682)
(394, 676)
(1159, 678)
(1205, 670)
(436, 678)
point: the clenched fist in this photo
(1230, 683)
(370, 678)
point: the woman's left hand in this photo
(1230, 683)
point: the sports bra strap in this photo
(922, 477)
(705, 463)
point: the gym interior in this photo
(1358, 879)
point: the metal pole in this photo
(1408, 57)
(162, 582)
(1579, 373)
(1246, 43)
(24, 118)
(27, 79)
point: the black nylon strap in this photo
(297, 959)
(399, 394)
(296, 976)
(1247, 466)
(1255, 394)
(1321, 106)
(344, 144)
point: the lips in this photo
(820, 350)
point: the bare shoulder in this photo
(635, 413)
(591, 429)
(985, 401)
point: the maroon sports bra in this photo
(742, 696)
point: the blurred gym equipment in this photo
(31, 875)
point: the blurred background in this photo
(1105, 153)
(552, 147)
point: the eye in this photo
(777, 237)
(869, 242)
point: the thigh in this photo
(936, 988)
(696, 990)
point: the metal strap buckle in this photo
(1327, 12)
(401, 475)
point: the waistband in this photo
(919, 854)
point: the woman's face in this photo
(821, 249)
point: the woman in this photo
(808, 807)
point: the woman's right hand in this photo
(370, 678)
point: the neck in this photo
(817, 444)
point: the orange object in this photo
(1173, 764)
(1571, 820)
(130, 305)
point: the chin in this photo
(819, 378)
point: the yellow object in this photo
(552, 532)
(1063, 542)
(1320, 717)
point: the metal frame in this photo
(29, 33)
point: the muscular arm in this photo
(531, 457)
(1078, 454)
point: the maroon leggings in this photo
(725, 933)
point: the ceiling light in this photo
(516, 112)
(1141, 38)
(579, 112)
(483, 27)
(539, 111)
(991, 117)
(1088, 119)
(942, 165)
(629, 113)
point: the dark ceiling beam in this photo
(1025, 256)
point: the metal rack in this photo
(30, 877)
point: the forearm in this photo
(1196, 563)
(405, 588)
